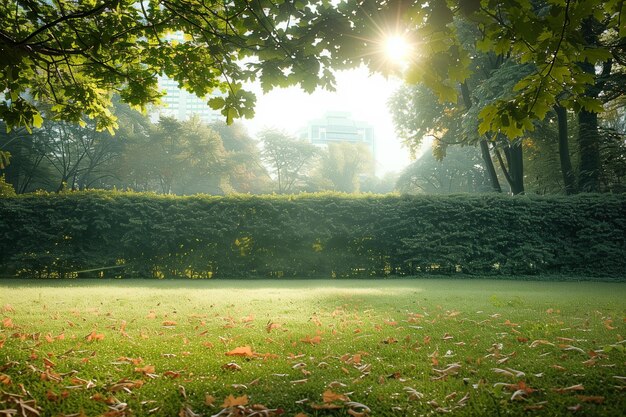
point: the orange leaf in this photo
(328, 397)
(248, 318)
(148, 369)
(7, 323)
(169, 323)
(209, 400)
(5, 379)
(271, 326)
(172, 374)
(232, 401)
(94, 336)
(312, 340)
(241, 351)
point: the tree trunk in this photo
(569, 178)
(484, 146)
(491, 169)
(588, 133)
(589, 144)
(515, 158)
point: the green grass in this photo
(407, 333)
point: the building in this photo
(337, 127)
(182, 105)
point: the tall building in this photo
(337, 127)
(182, 105)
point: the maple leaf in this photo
(241, 351)
(232, 401)
(7, 323)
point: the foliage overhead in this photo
(73, 55)
(552, 36)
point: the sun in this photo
(397, 48)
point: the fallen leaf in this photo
(241, 351)
(148, 369)
(232, 401)
(5, 379)
(329, 396)
(577, 387)
(596, 399)
(312, 340)
(231, 366)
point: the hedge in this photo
(116, 234)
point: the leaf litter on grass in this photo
(350, 355)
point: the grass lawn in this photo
(312, 348)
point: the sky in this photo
(359, 93)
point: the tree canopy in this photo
(74, 55)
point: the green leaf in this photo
(37, 120)
(217, 103)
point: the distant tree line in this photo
(169, 156)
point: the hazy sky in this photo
(363, 95)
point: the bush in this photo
(113, 234)
(6, 189)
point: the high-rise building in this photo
(337, 127)
(182, 105)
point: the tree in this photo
(246, 171)
(564, 42)
(73, 55)
(461, 171)
(288, 158)
(343, 165)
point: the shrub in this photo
(115, 234)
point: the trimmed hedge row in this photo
(114, 234)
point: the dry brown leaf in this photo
(329, 396)
(7, 323)
(148, 369)
(241, 351)
(577, 387)
(271, 326)
(209, 400)
(232, 401)
(5, 379)
(168, 323)
(94, 336)
(312, 340)
(231, 366)
(596, 399)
